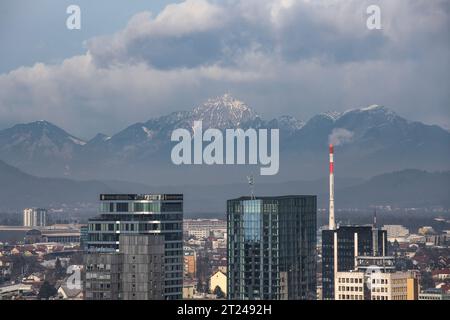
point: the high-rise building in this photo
(143, 267)
(341, 247)
(136, 272)
(272, 247)
(160, 214)
(34, 217)
(103, 276)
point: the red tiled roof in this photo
(443, 271)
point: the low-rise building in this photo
(66, 293)
(190, 262)
(396, 232)
(359, 285)
(189, 289)
(15, 291)
(218, 279)
(434, 294)
(439, 275)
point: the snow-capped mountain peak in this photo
(332, 115)
(374, 110)
(371, 107)
(223, 112)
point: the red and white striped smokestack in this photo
(331, 222)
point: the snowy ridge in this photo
(222, 112)
(333, 115)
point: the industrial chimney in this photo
(331, 222)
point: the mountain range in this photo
(404, 189)
(369, 141)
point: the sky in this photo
(134, 60)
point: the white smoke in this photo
(340, 136)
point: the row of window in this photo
(134, 226)
(382, 289)
(350, 289)
(350, 280)
(350, 297)
(141, 207)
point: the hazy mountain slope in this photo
(407, 188)
(19, 190)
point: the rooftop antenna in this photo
(375, 218)
(251, 183)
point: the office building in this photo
(375, 263)
(34, 217)
(160, 214)
(375, 278)
(351, 286)
(341, 246)
(358, 285)
(272, 247)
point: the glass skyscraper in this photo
(272, 247)
(160, 214)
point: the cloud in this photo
(198, 32)
(290, 57)
(181, 35)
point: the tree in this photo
(59, 269)
(46, 291)
(218, 292)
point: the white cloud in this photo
(291, 57)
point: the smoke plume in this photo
(340, 136)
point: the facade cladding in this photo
(368, 241)
(103, 276)
(272, 248)
(136, 272)
(143, 214)
(143, 267)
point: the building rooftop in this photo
(131, 197)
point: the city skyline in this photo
(224, 154)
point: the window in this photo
(122, 207)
